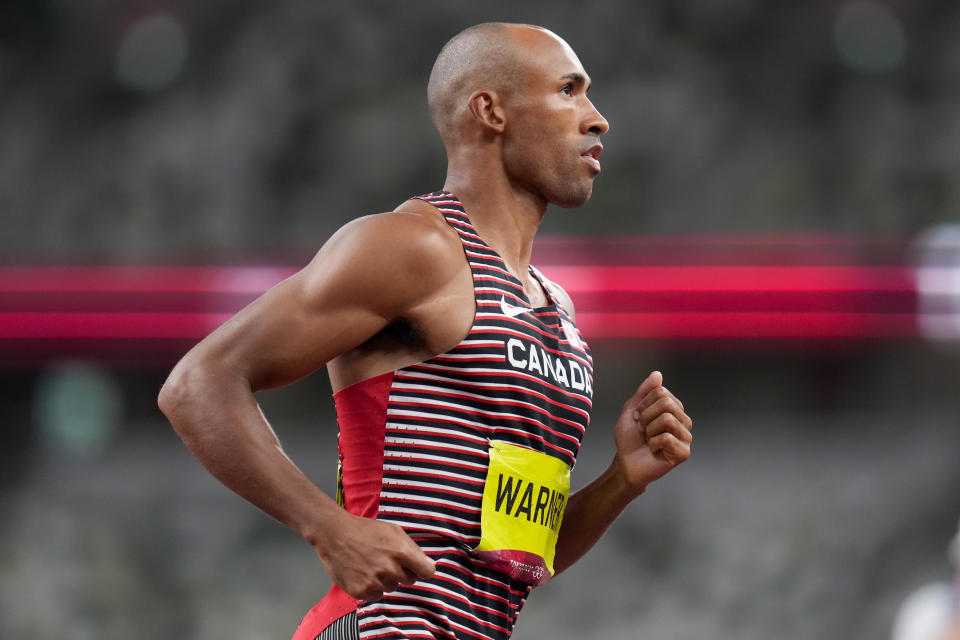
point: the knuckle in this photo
(654, 427)
(660, 424)
(676, 407)
(385, 575)
(361, 592)
(393, 528)
(676, 451)
(673, 406)
(664, 405)
(373, 590)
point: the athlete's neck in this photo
(506, 219)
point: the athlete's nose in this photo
(594, 122)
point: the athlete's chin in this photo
(573, 198)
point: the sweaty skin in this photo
(393, 289)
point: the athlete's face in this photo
(552, 130)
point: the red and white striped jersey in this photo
(414, 443)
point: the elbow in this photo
(179, 396)
(167, 398)
(194, 394)
(173, 393)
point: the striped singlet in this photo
(414, 451)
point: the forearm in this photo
(590, 512)
(218, 418)
(652, 436)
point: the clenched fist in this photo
(368, 558)
(653, 434)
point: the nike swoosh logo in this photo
(509, 310)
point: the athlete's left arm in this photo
(652, 436)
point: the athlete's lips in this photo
(593, 156)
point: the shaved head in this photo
(510, 103)
(482, 57)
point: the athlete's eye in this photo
(567, 89)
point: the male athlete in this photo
(461, 383)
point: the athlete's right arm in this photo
(373, 270)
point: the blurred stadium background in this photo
(775, 229)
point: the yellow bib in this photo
(523, 501)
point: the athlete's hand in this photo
(368, 558)
(653, 433)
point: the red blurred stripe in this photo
(738, 278)
(108, 326)
(141, 279)
(747, 301)
(573, 278)
(794, 288)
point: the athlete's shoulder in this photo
(399, 257)
(409, 234)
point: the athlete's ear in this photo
(485, 107)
